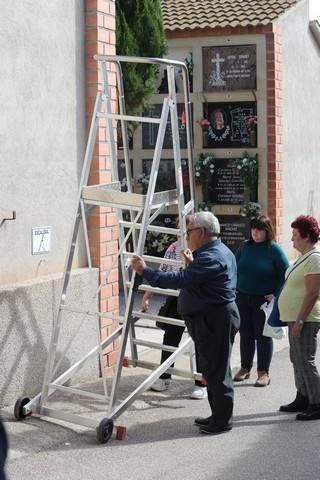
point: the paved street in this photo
(163, 443)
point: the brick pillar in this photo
(102, 224)
(275, 128)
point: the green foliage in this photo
(251, 210)
(248, 169)
(157, 243)
(139, 32)
(204, 168)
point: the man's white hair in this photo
(208, 221)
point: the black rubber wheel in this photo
(18, 408)
(104, 430)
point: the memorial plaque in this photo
(230, 126)
(231, 67)
(234, 230)
(166, 179)
(150, 130)
(227, 188)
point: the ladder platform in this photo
(131, 201)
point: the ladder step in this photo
(173, 371)
(158, 318)
(160, 260)
(157, 346)
(163, 291)
(151, 228)
(130, 118)
(129, 201)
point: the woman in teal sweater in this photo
(261, 268)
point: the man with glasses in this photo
(207, 304)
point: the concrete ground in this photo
(163, 443)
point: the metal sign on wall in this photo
(231, 67)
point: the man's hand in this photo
(269, 297)
(187, 256)
(138, 264)
(145, 305)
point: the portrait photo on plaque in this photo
(231, 67)
(230, 125)
(150, 130)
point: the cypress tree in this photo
(139, 32)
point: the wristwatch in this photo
(300, 322)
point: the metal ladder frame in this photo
(143, 210)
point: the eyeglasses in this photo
(189, 230)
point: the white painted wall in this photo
(42, 130)
(42, 143)
(301, 107)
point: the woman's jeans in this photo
(251, 328)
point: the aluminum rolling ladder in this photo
(141, 211)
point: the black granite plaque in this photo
(166, 179)
(231, 67)
(234, 230)
(227, 188)
(150, 130)
(230, 126)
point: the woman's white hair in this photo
(206, 220)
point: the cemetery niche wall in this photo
(232, 125)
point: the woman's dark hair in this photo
(307, 225)
(263, 223)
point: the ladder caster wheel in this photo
(18, 411)
(121, 433)
(104, 430)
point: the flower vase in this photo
(253, 193)
(204, 138)
(205, 193)
(253, 137)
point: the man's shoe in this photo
(299, 404)
(199, 393)
(161, 385)
(215, 427)
(201, 421)
(263, 379)
(311, 413)
(241, 375)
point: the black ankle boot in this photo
(299, 403)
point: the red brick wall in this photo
(274, 126)
(103, 234)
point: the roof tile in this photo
(200, 14)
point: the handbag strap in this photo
(299, 263)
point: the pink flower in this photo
(203, 122)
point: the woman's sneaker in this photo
(161, 385)
(199, 393)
